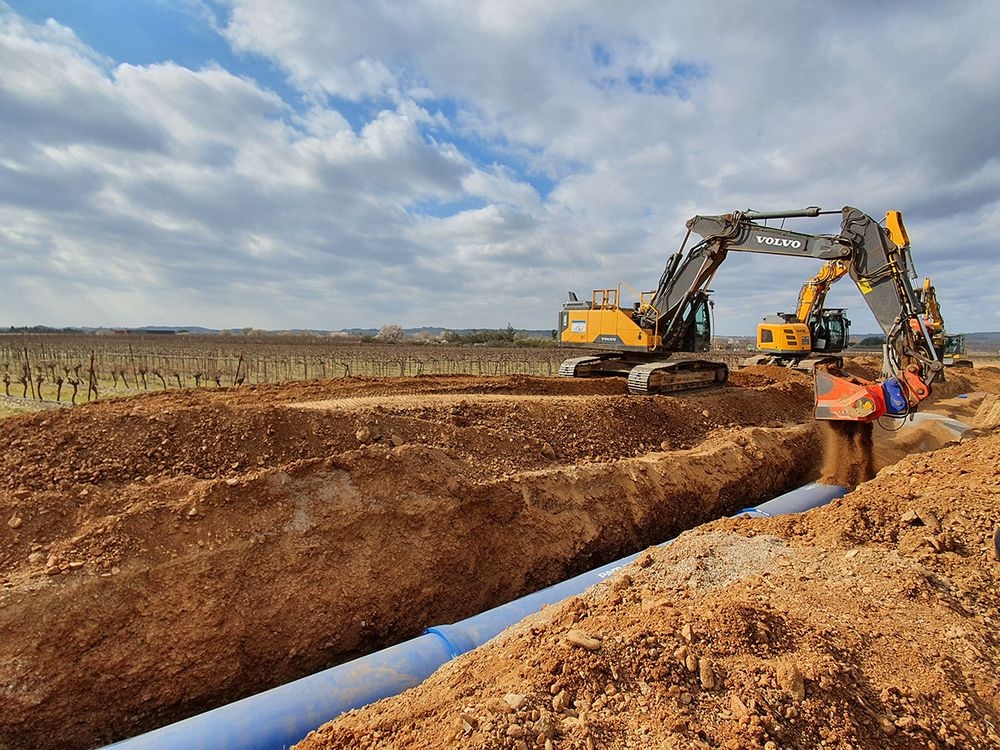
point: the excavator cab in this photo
(830, 331)
(954, 348)
(636, 350)
(784, 340)
(802, 339)
(698, 335)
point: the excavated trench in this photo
(205, 549)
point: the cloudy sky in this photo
(340, 163)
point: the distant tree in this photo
(390, 333)
(872, 342)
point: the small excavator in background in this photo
(813, 335)
(951, 347)
(638, 340)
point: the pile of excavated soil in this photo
(167, 553)
(871, 623)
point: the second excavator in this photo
(638, 340)
(812, 336)
(951, 347)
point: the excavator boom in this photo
(814, 291)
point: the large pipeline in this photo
(280, 717)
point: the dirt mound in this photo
(170, 552)
(867, 624)
(757, 376)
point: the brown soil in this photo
(848, 453)
(870, 623)
(170, 552)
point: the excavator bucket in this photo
(847, 398)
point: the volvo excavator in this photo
(638, 340)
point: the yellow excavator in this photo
(951, 347)
(813, 335)
(638, 340)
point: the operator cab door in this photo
(830, 333)
(698, 336)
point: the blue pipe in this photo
(280, 717)
(796, 501)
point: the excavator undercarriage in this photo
(649, 377)
(808, 364)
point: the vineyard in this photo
(72, 368)
(40, 369)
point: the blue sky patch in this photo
(518, 159)
(679, 81)
(444, 209)
(145, 33)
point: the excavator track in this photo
(682, 375)
(802, 364)
(608, 363)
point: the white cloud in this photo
(466, 163)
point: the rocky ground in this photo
(170, 552)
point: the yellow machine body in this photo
(605, 324)
(780, 337)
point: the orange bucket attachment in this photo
(847, 398)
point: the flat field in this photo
(43, 370)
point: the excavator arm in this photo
(881, 269)
(932, 312)
(814, 291)
(951, 347)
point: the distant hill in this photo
(435, 331)
(431, 331)
(988, 340)
(978, 340)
